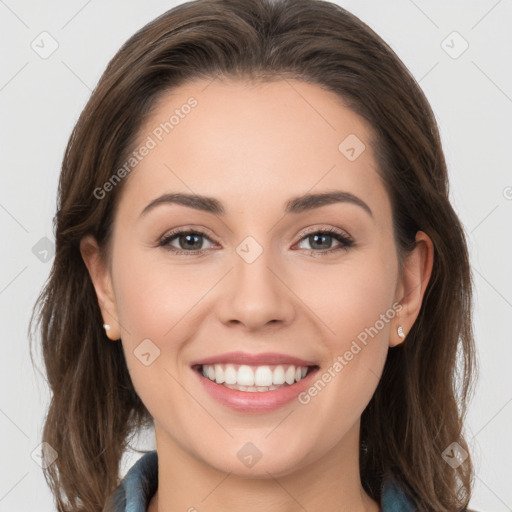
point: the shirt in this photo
(140, 484)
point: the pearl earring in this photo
(401, 332)
(106, 327)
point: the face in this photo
(314, 285)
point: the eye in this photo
(189, 241)
(319, 239)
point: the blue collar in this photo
(140, 484)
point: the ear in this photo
(415, 275)
(102, 282)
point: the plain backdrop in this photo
(460, 53)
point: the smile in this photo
(254, 378)
(254, 383)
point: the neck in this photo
(332, 483)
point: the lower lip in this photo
(257, 401)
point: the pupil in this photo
(315, 237)
(188, 237)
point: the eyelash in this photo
(346, 241)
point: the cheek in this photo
(351, 297)
(153, 295)
(155, 307)
(355, 308)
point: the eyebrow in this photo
(295, 205)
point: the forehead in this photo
(253, 141)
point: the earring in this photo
(107, 328)
(401, 332)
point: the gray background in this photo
(41, 98)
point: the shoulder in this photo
(394, 498)
(137, 487)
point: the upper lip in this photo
(265, 358)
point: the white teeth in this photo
(254, 378)
(290, 375)
(278, 375)
(219, 374)
(229, 374)
(245, 376)
(263, 376)
(251, 388)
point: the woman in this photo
(253, 207)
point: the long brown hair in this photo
(420, 403)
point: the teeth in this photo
(219, 374)
(229, 375)
(251, 388)
(245, 376)
(263, 376)
(289, 376)
(278, 375)
(254, 378)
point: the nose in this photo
(256, 294)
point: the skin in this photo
(252, 145)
